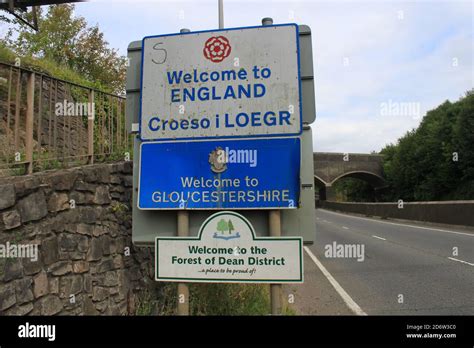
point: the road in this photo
(407, 269)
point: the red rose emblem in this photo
(216, 49)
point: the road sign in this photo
(220, 174)
(222, 83)
(227, 250)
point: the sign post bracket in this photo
(183, 231)
(183, 288)
(274, 219)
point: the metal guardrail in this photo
(48, 123)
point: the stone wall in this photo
(444, 212)
(80, 218)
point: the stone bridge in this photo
(330, 167)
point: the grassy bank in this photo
(208, 299)
(47, 67)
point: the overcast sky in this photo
(370, 57)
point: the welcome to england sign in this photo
(223, 83)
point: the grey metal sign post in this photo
(274, 226)
(221, 14)
(183, 231)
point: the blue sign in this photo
(220, 174)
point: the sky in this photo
(379, 65)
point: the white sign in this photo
(224, 83)
(227, 250)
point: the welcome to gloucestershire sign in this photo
(226, 83)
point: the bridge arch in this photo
(319, 182)
(319, 188)
(331, 167)
(374, 180)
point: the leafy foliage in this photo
(435, 161)
(354, 190)
(67, 41)
(229, 299)
(222, 226)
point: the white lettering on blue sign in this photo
(189, 182)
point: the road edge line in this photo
(462, 261)
(353, 306)
(381, 238)
(399, 224)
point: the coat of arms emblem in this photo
(217, 160)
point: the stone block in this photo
(85, 186)
(96, 250)
(88, 307)
(70, 285)
(50, 250)
(58, 201)
(40, 285)
(82, 198)
(62, 180)
(67, 242)
(111, 278)
(102, 195)
(7, 296)
(13, 269)
(99, 294)
(32, 207)
(99, 230)
(128, 181)
(60, 268)
(104, 266)
(7, 196)
(54, 285)
(26, 186)
(87, 283)
(50, 305)
(84, 229)
(80, 267)
(11, 219)
(23, 290)
(20, 310)
(31, 267)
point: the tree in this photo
(354, 190)
(67, 40)
(231, 227)
(436, 160)
(222, 226)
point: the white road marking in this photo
(344, 227)
(378, 237)
(404, 225)
(345, 296)
(467, 263)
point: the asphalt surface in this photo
(405, 270)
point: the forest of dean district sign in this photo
(227, 250)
